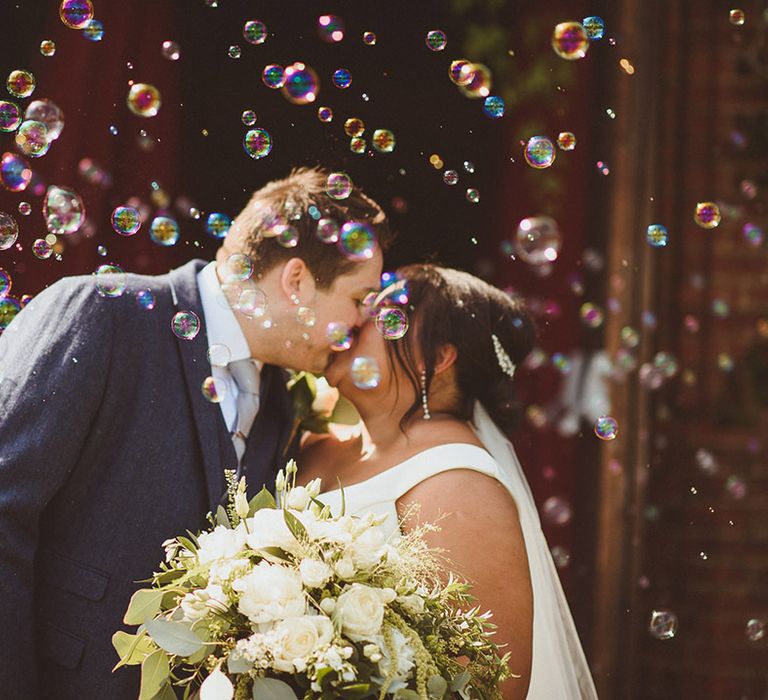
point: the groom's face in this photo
(341, 303)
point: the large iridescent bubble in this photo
(9, 231)
(338, 186)
(21, 83)
(32, 139)
(301, 84)
(164, 231)
(126, 220)
(10, 116)
(15, 173)
(63, 210)
(76, 13)
(49, 114)
(218, 224)
(539, 152)
(392, 323)
(255, 32)
(357, 241)
(570, 41)
(538, 240)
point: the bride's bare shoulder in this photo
(442, 430)
(319, 450)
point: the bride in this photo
(435, 440)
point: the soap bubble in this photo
(257, 143)
(493, 107)
(234, 51)
(707, 215)
(49, 114)
(32, 139)
(144, 100)
(10, 116)
(286, 235)
(392, 323)
(560, 556)
(594, 26)
(255, 32)
(218, 225)
(460, 72)
(145, 299)
(219, 355)
(110, 281)
(63, 210)
(736, 17)
(539, 152)
(450, 177)
(9, 231)
(566, 140)
(338, 186)
(252, 303)
(657, 235)
(369, 38)
(126, 220)
(325, 114)
(436, 40)
(41, 249)
(212, 390)
(171, 50)
(570, 41)
(5, 283)
(301, 84)
(755, 630)
(354, 126)
(556, 511)
(15, 173)
(93, 30)
(538, 240)
(21, 83)
(478, 83)
(185, 325)
(753, 234)
(164, 231)
(47, 47)
(592, 316)
(736, 487)
(663, 624)
(273, 76)
(76, 13)
(365, 373)
(339, 336)
(383, 140)
(25, 208)
(248, 117)
(342, 78)
(357, 241)
(327, 230)
(238, 267)
(473, 195)
(330, 28)
(306, 316)
(606, 428)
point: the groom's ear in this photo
(294, 278)
(445, 357)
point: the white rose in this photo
(221, 543)
(360, 610)
(345, 568)
(298, 638)
(314, 573)
(413, 604)
(270, 592)
(223, 570)
(267, 528)
(325, 398)
(199, 603)
(298, 498)
(368, 548)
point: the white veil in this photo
(559, 669)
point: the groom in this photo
(112, 440)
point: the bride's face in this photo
(364, 374)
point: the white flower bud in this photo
(345, 568)
(298, 498)
(313, 488)
(280, 481)
(241, 505)
(328, 605)
(291, 468)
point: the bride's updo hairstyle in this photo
(447, 306)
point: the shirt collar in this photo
(221, 324)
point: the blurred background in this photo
(640, 247)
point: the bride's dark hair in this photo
(447, 306)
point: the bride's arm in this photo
(480, 529)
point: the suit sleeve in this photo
(54, 361)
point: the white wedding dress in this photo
(559, 670)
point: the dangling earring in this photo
(424, 403)
(295, 299)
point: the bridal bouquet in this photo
(280, 599)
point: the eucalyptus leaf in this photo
(189, 544)
(222, 518)
(344, 413)
(437, 686)
(155, 670)
(145, 604)
(355, 691)
(237, 663)
(263, 499)
(175, 637)
(272, 689)
(166, 693)
(459, 682)
(132, 648)
(407, 694)
(295, 526)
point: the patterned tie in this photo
(247, 377)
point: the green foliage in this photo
(145, 604)
(155, 671)
(175, 637)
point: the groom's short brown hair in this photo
(299, 200)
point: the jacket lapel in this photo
(194, 360)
